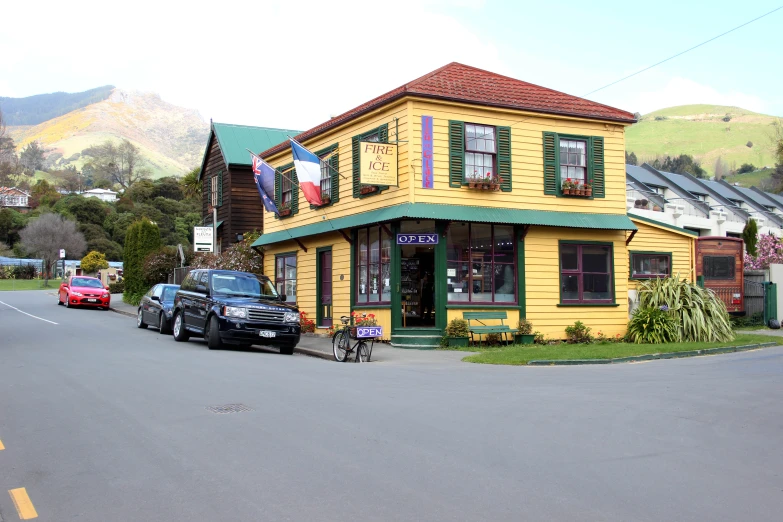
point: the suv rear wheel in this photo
(287, 349)
(213, 334)
(180, 334)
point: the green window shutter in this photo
(504, 158)
(208, 184)
(355, 166)
(220, 188)
(551, 164)
(334, 163)
(383, 137)
(294, 192)
(277, 196)
(456, 153)
(597, 165)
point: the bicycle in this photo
(341, 344)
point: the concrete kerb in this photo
(653, 356)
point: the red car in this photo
(84, 291)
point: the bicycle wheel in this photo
(340, 345)
(362, 352)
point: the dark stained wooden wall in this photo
(242, 209)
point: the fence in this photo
(179, 275)
(754, 297)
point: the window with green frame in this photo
(379, 134)
(330, 175)
(478, 151)
(650, 265)
(575, 158)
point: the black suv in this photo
(237, 308)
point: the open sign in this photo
(417, 239)
(369, 332)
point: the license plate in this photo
(267, 333)
(92, 300)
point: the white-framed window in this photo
(480, 152)
(214, 192)
(573, 161)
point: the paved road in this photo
(104, 422)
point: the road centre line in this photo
(24, 506)
(25, 313)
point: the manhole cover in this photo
(229, 408)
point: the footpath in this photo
(321, 347)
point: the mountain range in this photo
(171, 138)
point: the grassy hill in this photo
(699, 130)
(33, 110)
(171, 138)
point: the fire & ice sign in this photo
(378, 163)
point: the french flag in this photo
(308, 170)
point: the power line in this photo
(683, 52)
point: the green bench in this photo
(483, 329)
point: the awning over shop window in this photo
(455, 213)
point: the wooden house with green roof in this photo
(227, 178)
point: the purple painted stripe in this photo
(426, 153)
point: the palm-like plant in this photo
(700, 315)
(191, 184)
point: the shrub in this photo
(756, 319)
(93, 262)
(727, 118)
(117, 288)
(159, 264)
(457, 328)
(239, 256)
(746, 167)
(749, 144)
(652, 325)
(492, 339)
(524, 326)
(699, 314)
(578, 333)
(539, 338)
(133, 298)
(142, 238)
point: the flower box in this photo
(283, 212)
(325, 200)
(369, 189)
(458, 342)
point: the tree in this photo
(43, 193)
(682, 164)
(32, 157)
(721, 169)
(142, 238)
(746, 167)
(122, 164)
(8, 160)
(750, 236)
(93, 262)
(631, 159)
(46, 235)
(769, 250)
(191, 184)
(11, 222)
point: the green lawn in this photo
(27, 284)
(521, 354)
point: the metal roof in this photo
(645, 176)
(723, 190)
(759, 197)
(683, 231)
(684, 182)
(455, 213)
(234, 140)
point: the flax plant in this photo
(700, 315)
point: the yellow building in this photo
(503, 196)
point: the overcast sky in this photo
(293, 64)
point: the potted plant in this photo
(567, 186)
(645, 204)
(524, 334)
(656, 208)
(457, 333)
(284, 210)
(588, 189)
(367, 189)
(473, 181)
(326, 198)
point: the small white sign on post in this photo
(202, 239)
(62, 253)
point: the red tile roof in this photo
(462, 83)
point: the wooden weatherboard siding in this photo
(653, 238)
(348, 204)
(542, 281)
(215, 165)
(306, 279)
(527, 159)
